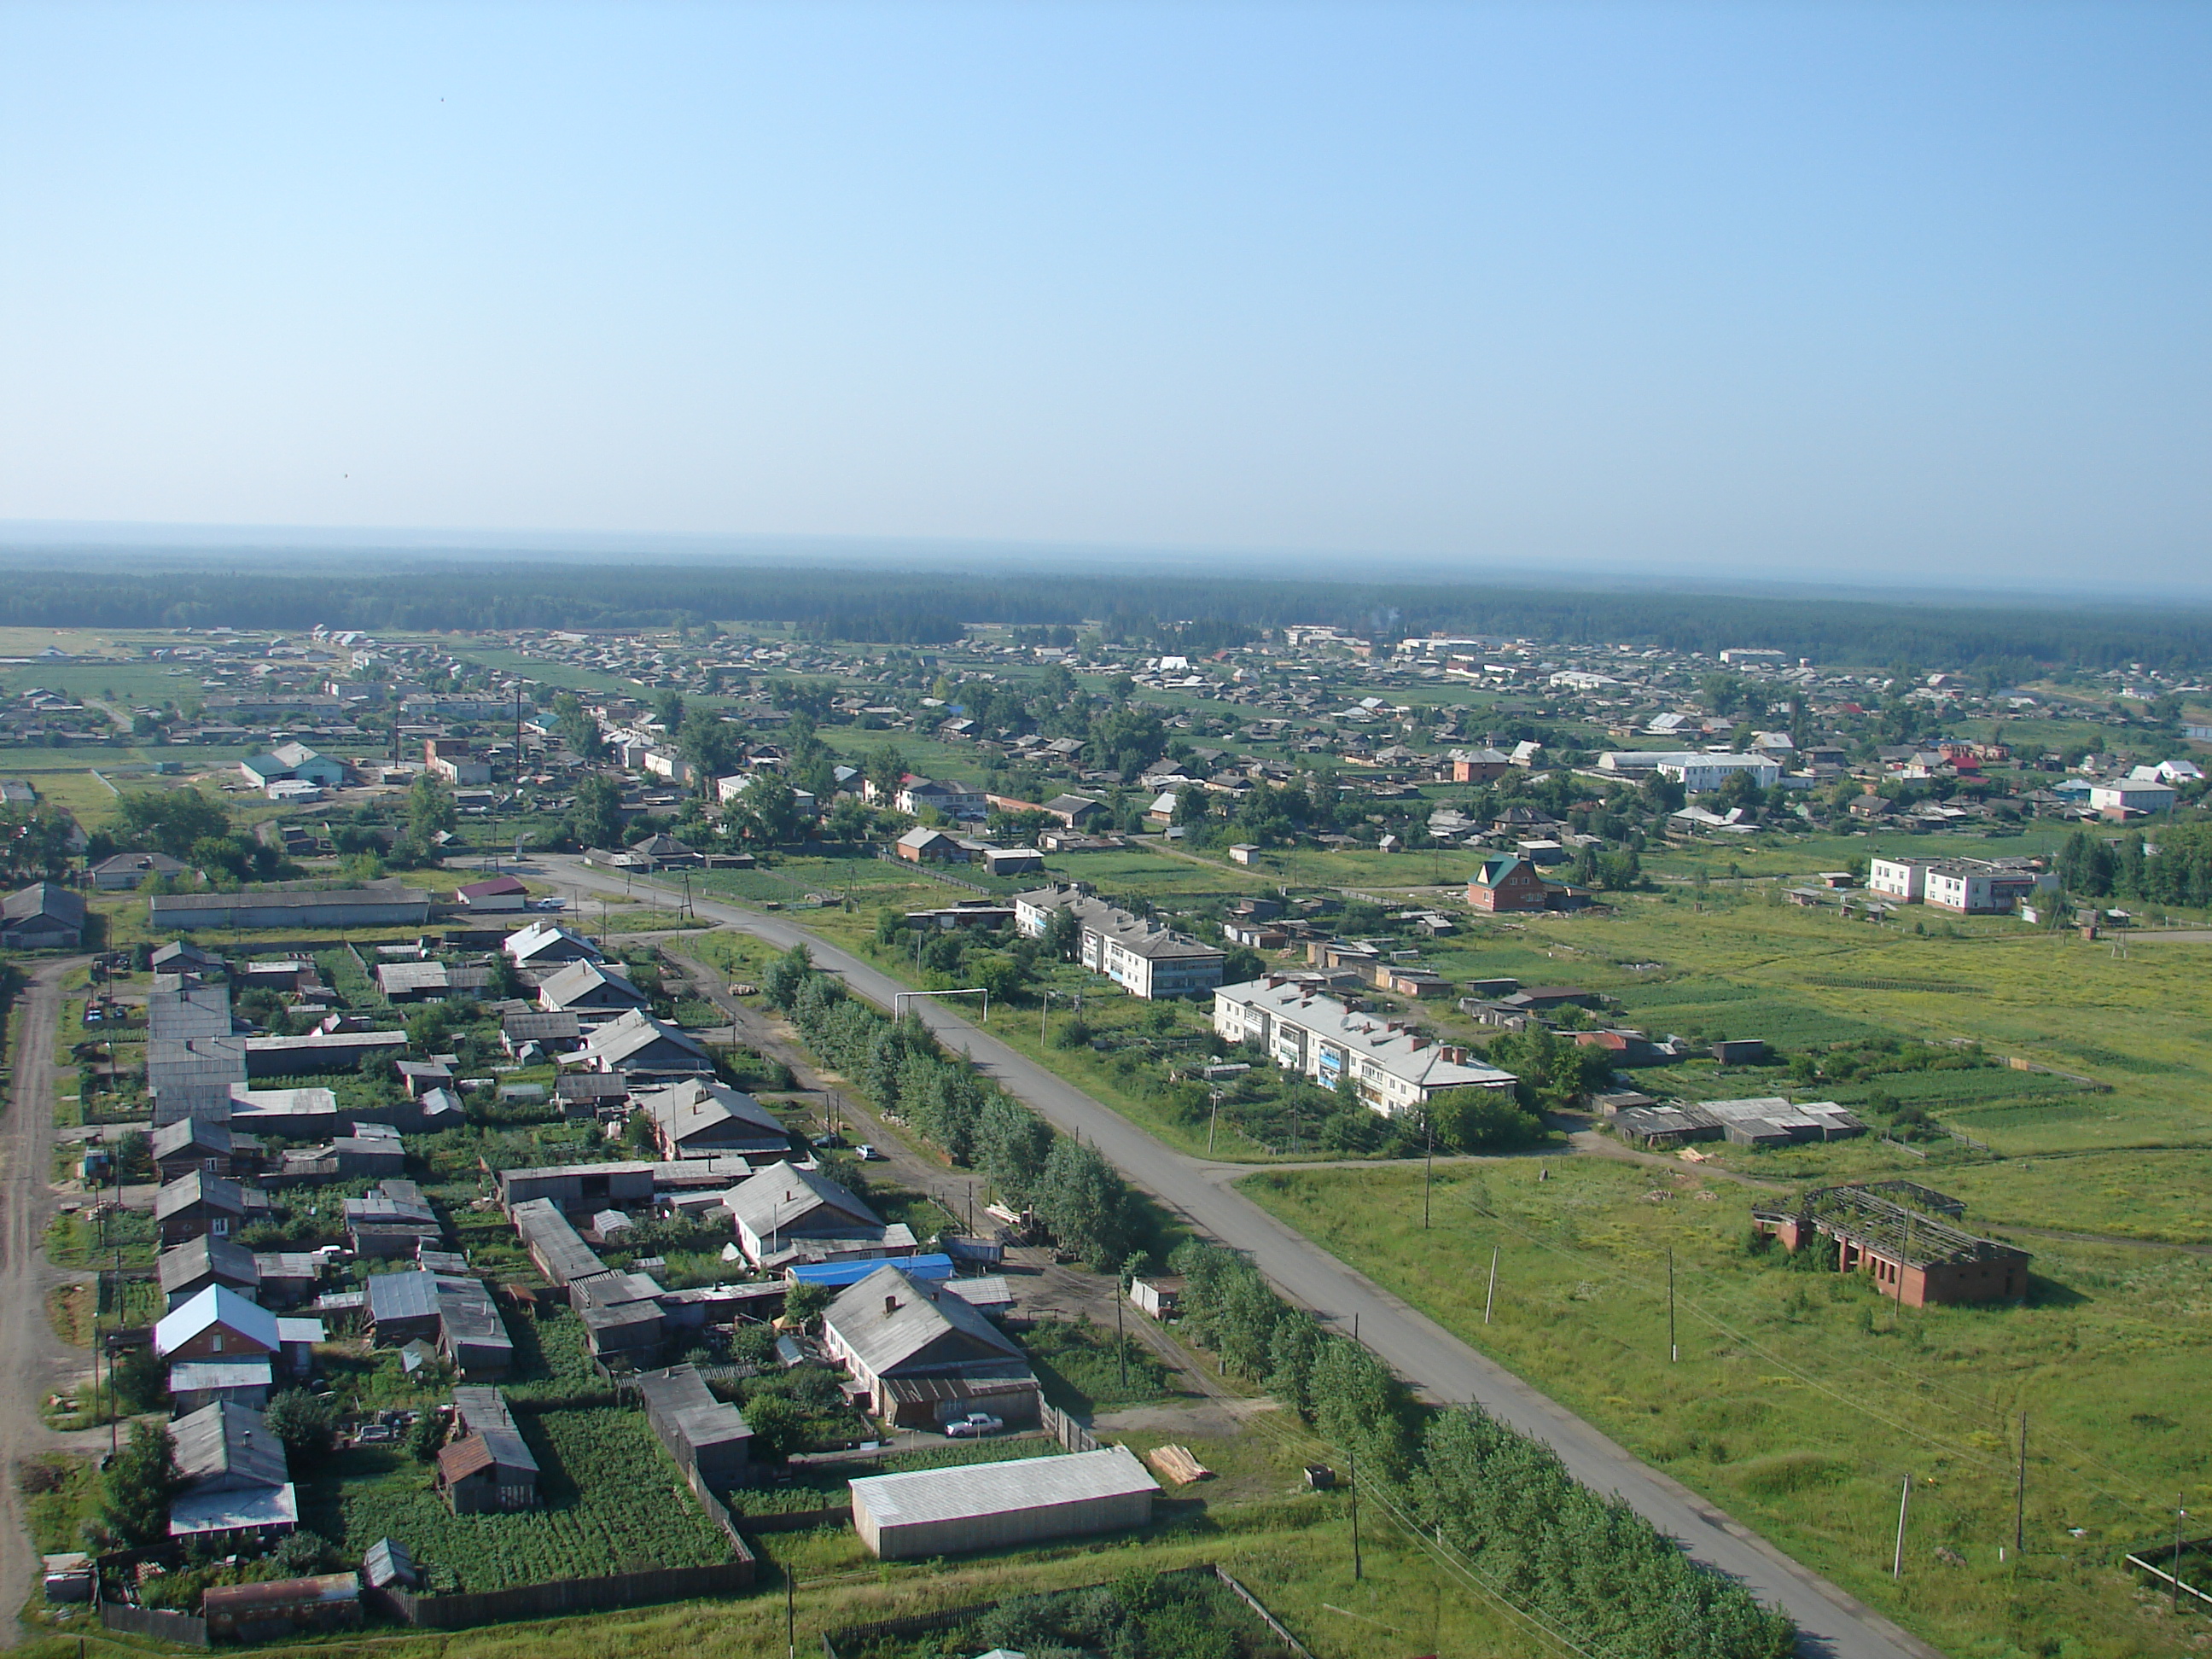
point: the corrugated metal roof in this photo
(890, 1316)
(918, 1497)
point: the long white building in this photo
(1697, 772)
(1389, 1066)
(1143, 958)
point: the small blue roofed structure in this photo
(838, 1274)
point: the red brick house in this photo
(1509, 884)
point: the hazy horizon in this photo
(1844, 295)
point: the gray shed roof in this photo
(227, 1444)
(784, 1196)
(973, 1490)
(882, 1339)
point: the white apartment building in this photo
(1695, 771)
(1388, 1065)
(1143, 958)
(1966, 887)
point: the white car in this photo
(974, 1426)
(866, 1153)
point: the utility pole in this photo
(790, 1615)
(1673, 1349)
(2020, 1494)
(1354, 1455)
(1896, 1560)
(1428, 1161)
(2180, 1516)
(1121, 1342)
(1212, 1117)
(1491, 1295)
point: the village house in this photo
(785, 1214)
(127, 871)
(644, 1050)
(922, 1355)
(1511, 883)
(548, 944)
(489, 1469)
(590, 989)
(700, 1118)
(235, 1487)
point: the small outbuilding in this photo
(978, 1506)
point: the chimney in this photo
(891, 1306)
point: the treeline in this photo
(1589, 1567)
(1185, 614)
(2175, 870)
(1076, 1193)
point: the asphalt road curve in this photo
(1835, 1625)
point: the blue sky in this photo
(1813, 292)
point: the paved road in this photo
(1439, 1364)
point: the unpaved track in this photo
(32, 1359)
(1438, 1363)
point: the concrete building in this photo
(1385, 1064)
(1697, 772)
(926, 1512)
(1966, 887)
(1900, 1234)
(1143, 958)
(2121, 797)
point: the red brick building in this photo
(1899, 1234)
(1509, 884)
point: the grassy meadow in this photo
(1802, 1399)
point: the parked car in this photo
(974, 1426)
(866, 1153)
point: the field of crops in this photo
(613, 1502)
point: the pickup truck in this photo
(973, 1426)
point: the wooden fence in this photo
(570, 1595)
(1071, 1435)
(157, 1622)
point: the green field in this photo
(1802, 1399)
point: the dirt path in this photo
(32, 1359)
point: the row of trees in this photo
(2179, 872)
(1079, 1196)
(1588, 1566)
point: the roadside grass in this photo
(75, 1241)
(61, 1492)
(1801, 1399)
(1082, 1372)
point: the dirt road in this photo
(32, 1359)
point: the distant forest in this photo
(1192, 614)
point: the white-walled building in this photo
(1966, 887)
(1143, 957)
(1696, 772)
(1389, 1066)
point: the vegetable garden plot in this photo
(613, 1502)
